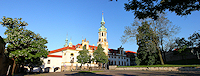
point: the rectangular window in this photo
(48, 62)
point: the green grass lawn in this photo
(166, 65)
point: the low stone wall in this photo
(159, 68)
(113, 67)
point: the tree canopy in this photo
(99, 55)
(161, 28)
(150, 8)
(23, 46)
(147, 40)
(193, 41)
(83, 56)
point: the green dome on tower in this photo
(102, 28)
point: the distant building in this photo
(132, 56)
(119, 57)
(188, 54)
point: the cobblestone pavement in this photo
(123, 73)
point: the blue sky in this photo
(81, 19)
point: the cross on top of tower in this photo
(102, 21)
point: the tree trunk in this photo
(99, 65)
(162, 49)
(13, 68)
(164, 56)
(159, 52)
(161, 59)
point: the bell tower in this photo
(103, 36)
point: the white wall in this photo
(54, 62)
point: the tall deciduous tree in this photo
(150, 8)
(99, 55)
(147, 40)
(23, 46)
(195, 42)
(162, 27)
(183, 45)
(195, 39)
(165, 30)
(83, 56)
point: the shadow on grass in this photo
(93, 73)
(86, 73)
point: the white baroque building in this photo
(66, 58)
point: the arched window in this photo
(102, 33)
(48, 62)
(72, 60)
(112, 63)
(72, 54)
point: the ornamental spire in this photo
(66, 41)
(102, 28)
(102, 21)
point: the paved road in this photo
(123, 73)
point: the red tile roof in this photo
(54, 56)
(93, 47)
(130, 52)
(64, 48)
(73, 48)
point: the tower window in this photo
(102, 33)
(85, 46)
(99, 40)
(104, 40)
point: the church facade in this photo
(66, 58)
